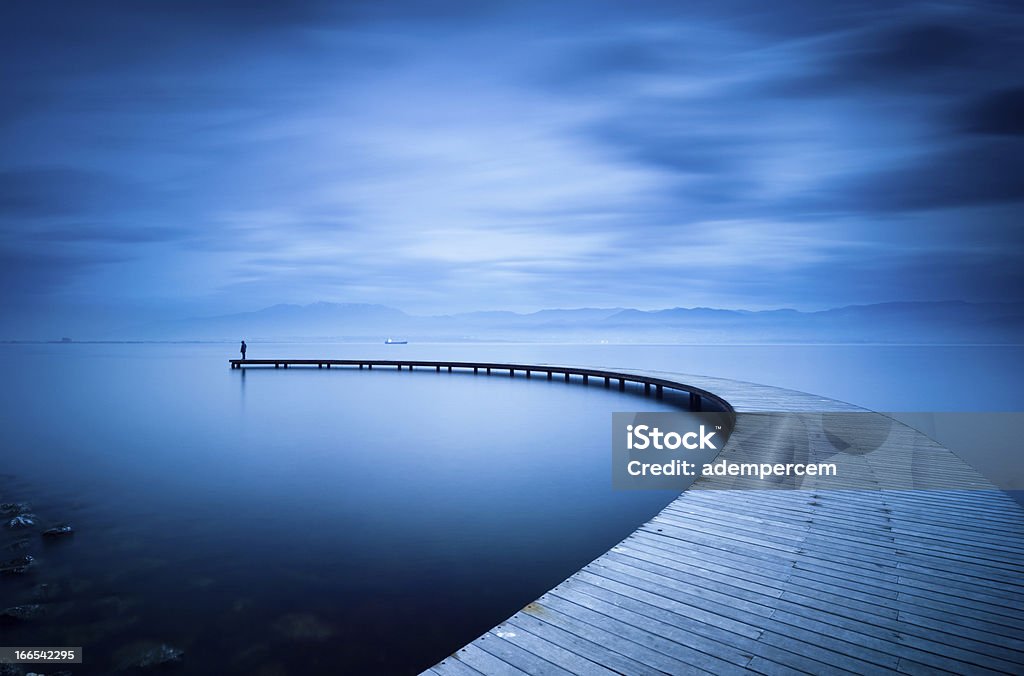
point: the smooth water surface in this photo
(297, 520)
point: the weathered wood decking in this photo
(829, 581)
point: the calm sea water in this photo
(293, 521)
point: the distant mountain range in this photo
(918, 322)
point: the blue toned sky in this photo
(170, 159)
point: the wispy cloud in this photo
(224, 156)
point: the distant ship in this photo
(392, 341)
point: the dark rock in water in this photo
(10, 670)
(29, 611)
(58, 532)
(147, 655)
(25, 520)
(17, 566)
(14, 507)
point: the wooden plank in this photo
(652, 576)
(693, 651)
(749, 647)
(681, 569)
(570, 616)
(677, 629)
(480, 660)
(682, 606)
(453, 667)
(509, 652)
(551, 652)
(571, 641)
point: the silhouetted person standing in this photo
(243, 349)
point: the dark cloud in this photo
(908, 52)
(1000, 112)
(599, 63)
(972, 174)
(45, 191)
(665, 135)
(991, 276)
(914, 49)
(89, 233)
(29, 276)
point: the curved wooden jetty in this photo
(698, 400)
(787, 581)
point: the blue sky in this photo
(168, 159)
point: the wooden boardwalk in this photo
(651, 382)
(785, 581)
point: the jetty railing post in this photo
(694, 401)
(566, 376)
(475, 370)
(511, 373)
(607, 381)
(369, 367)
(437, 369)
(622, 384)
(549, 375)
(647, 389)
(586, 379)
(527, 373)
(320, 365)
(449, 369)
(488, 370)
(659, 392)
